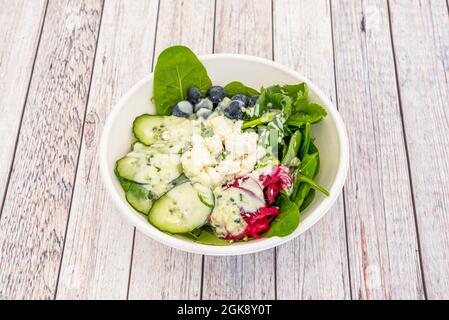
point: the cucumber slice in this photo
(140, 198)
(145, 166)
(157, 147)
(180, 210)
(137, 195)
(131, 168)
(150, 129)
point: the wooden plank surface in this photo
(159, 272)
(382, 240)
(36, 206)
(384, 62)
(98, 245)
(315, 265)
(250, 276)
(20, 27)
(420, 31)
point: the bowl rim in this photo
(241, 248)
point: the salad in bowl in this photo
(221, 164)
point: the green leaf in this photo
(286, 106)
(287, 221)
(269, 99)
(207, 236)
(308, 200)
(177, 69)
(293, 147)
(313, 184)
(313, 149)
(306, 142)
(308, 167)
(303, 179)
(297, 92)
(236, 87)
(311, 113)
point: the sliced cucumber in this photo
(180, 210)
(140, 198)
(204, 194)
(150, 129)
(157, 147)
(129, 168)
(145, 166)
(137, 195)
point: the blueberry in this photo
(194, 95)
(241, 97)
(234, 110)
(223, 104)
(204, 104)
(216, 94)
(182, 109)
(253, 101)
(203, 113)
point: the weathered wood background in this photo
(64, 64)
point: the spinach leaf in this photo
(236, 87)
(308, 200)
(287, 221)
(177, 69)
(285, 145)
(195, 233)
(313, 149)
(306, 142)
(312, 113)
(269, 99)
(303, 179)
(308, 164)
(277, 106)
(308, 167)
(313, 184)
(286, 106)
(292, 150)
(207, 236)
(297, 92)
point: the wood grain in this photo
(396, 197)
(382, 240)
(315, 265)
(20, 27)
(34, 217)
(420, 32)
(159, 272)
(98, 245)
(250, 276)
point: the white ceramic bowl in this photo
(330, 134)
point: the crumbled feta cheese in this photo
(215, 177)
(241, 144)
(222, 126)
(228, 167)
(223, 154)
(214, 145)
